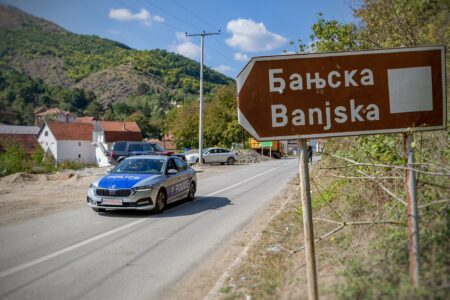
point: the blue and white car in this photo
(146, 182)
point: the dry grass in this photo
(271, 270)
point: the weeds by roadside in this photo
(15, 159)
(360, 227)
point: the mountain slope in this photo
(111, 70)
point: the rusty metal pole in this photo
(305, 194)
(413, 216)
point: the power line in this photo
(133, 8)
(202, 20)
(172, 15)
(228, 58)
(205, 22)
(194, 14)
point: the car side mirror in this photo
(172, 172)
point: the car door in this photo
(222, 155)
(216, 156)
(172, 181)
(208, 156)
(185, 177)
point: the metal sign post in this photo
(413, 216)
(305, 194)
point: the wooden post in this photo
(305, 194)
(413, 216)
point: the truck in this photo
(273, 149)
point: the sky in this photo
(248, 28)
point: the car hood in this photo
(124, 181)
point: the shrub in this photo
(13, 160)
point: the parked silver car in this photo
(214, 155)
(146, 182)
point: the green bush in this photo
(15, 159)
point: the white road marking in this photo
(242, 182)
(67, 249)
(29, 264)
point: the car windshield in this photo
(140, 166)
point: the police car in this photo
(145, 182)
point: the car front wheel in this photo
(191, 194)
(161, 201)
(230, 160)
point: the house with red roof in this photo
(25, 136)
(89, 120)
(105, 133)
(68, 141)
(53, 115)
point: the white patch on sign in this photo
(410, 90)
(242, 77)
(242, 120)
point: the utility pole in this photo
(200, 129)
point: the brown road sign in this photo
(340, 94)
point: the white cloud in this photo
(158, 19)
(185, 46)
(223, 69)
(241, 57)
(252, 37)
(125, 15)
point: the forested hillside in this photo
(42, 64)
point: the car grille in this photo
(113, 193)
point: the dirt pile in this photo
(250, 156)
(19, 178)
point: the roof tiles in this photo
(71, 131)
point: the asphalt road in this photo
(78, 254)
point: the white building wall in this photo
(101, 148)
(98, 136)
(76, 150)
(48, 142)
(102, 155)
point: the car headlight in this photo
(144, 188)
(93, 186)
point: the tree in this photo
(142, 121)
(221, 126)
(183, 122)
(335, 36)
(121, 110)
(395, 23)
(94, 109)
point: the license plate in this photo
(112, 201)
